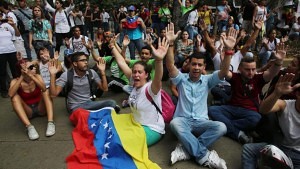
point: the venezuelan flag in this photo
(104, 139)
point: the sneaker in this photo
(244, 139)
(214, 161)
(50, 129)
(179, 154)
(32, 133)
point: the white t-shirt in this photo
(234, 63)
(44, 71)
(289, 121)
(77, 46)
(105, 16)
(143, 111)
(271, 46)
(7, 35)
(295, 26)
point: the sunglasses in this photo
(31, 67)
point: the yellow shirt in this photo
(206, 16)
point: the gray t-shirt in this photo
(80, 92)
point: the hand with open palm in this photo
(284, 84)
(170, 33)
(230, 39)
(161, 50)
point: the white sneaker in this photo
(179, 154)
(214, 161)
(32, 133)
(50, 129)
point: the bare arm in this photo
(121, 62)
(173, 71)
(159, 55)
(272, 103)
(101, 66)
(54, 89)
(252, 38)
(229, 43)
(275, 68)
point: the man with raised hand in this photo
(191, 115)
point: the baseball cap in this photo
(131, 8)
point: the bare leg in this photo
(22, 109)
(46, 105)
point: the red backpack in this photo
(168, 107)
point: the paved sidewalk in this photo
(17, 152)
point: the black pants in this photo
(59, 40)
(11, 58)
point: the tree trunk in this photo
(176, 14)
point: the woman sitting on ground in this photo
(184, 48)
(143, 110)
(30, 99)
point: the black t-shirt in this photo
(248, 11)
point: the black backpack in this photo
(182, 21)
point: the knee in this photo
(176, 126)
(221, 128)
(213, 111)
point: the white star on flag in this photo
(101, 121)
(109, 129)
(109, 136)
(104, 156)
(105, 125)
(93, 125)
(106, 145)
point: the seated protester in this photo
(30, 98)
(241, 41)
(293, 67)
(187, 6)
(146, 57)
(79, 43)
(117, 80)
(241, 115)
(143, 110)
(80, 95)
(67, 63)
(295, 31)
(289, 121)
(268, 47)
(230, 24)
(190, 123)
(222, 92)
(184, 48)
(102, 45)
(76, 19)
(151, 34)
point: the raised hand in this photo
(265, 40)
(126, 40)
(198, 38)
(202, 25)
(258, 25)
(67, 42)
(148, 40)
(161, 50)
(19, 56)
(280, 51)
(170, 33)
(284, 84)
(56, 55)
(230, 39)
(101, 64)
(52, 67)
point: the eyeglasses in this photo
(82, 60)
(31, 67)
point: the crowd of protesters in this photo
(244, 48)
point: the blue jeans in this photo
(95, 105)
(235, 118)
(251, 153)
(208, 131)
(138, 44)
(192, 30)
(264, 57)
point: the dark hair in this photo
(198, 55)
(247, 59)
(148, 48)
(147, 68)
(19, 67)
(39, 50)
(75, 56)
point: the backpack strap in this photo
(91, 79)
(151, 100)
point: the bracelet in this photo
(171, 45)
(229, 52)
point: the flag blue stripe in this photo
(110, 151)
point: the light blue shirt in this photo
(192, 99)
